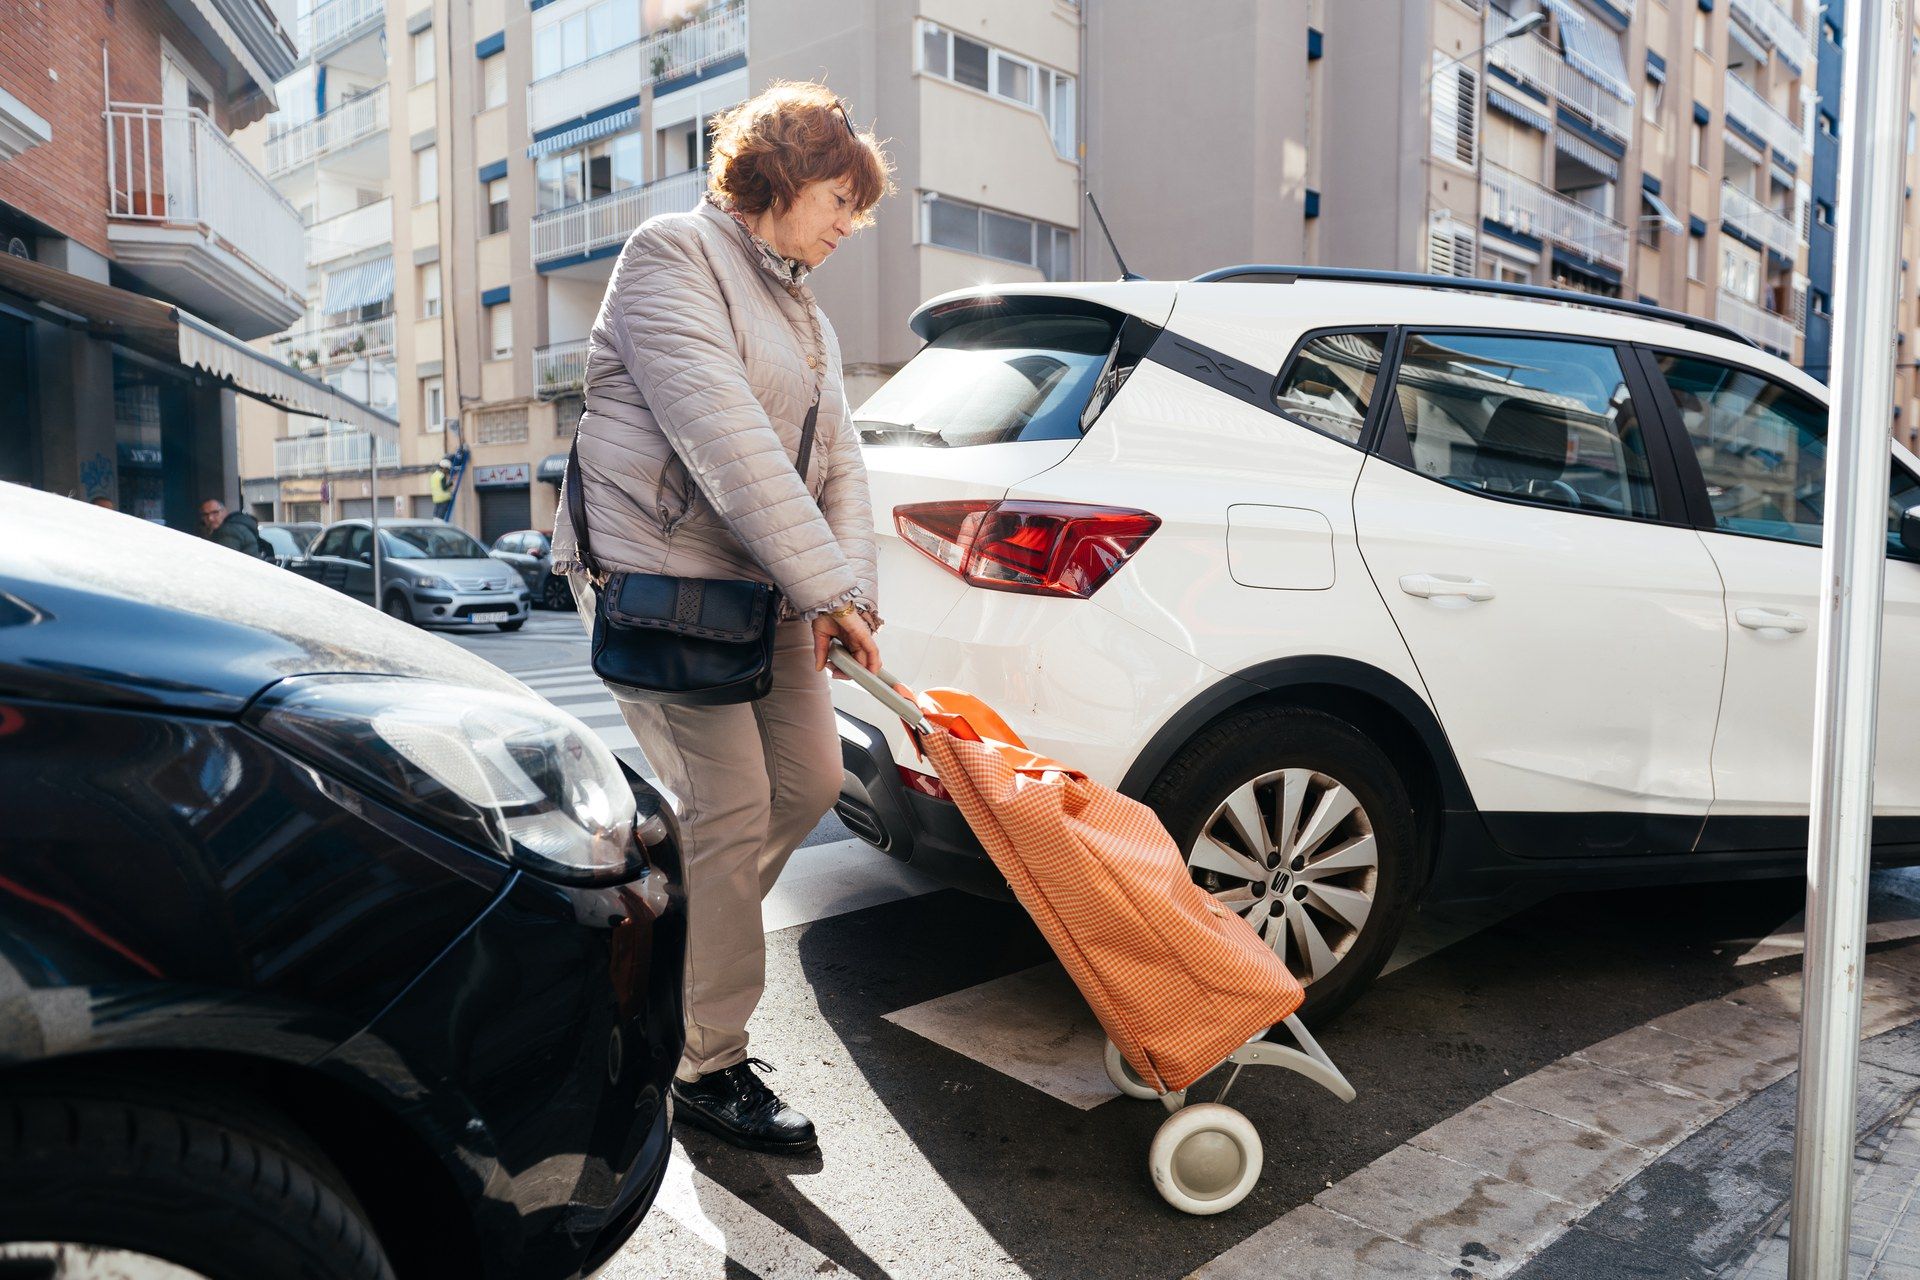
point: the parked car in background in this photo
(289, 539)
(431, 573)
(1371, 591)
(325, 946)
(530, 552)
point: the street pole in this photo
(373, 486)
(1853, 570)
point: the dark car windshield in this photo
(991, 381)
(284, 544)
(431, 542)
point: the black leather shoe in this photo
(736, 1105)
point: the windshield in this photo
(991, 381)
(280, 540)
(431, 542)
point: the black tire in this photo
(397, 608)
(515, 625)
(556, 594)
(228, 1193)
(1265, 740)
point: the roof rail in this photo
(1268, 273)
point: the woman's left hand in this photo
(850, 629)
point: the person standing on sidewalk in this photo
(706, 357)
(234, 529)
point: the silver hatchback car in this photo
(431, 573)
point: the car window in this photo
(359, 542)
(1330, 383)
(334, 543)
(431, 542)
(1762, 449)
(280, 540)
(511, 543)
(1532, 419)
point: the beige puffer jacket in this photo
(700, 368)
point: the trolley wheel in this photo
(1123, 1077)
(1205, 1158)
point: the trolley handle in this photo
(880, 686)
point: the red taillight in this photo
(1040, 548)
(925, 783)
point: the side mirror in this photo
(366, 557)
(539, 553)
(1910, 530)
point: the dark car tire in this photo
(515, 625)
(557, 594)
(397, 608)
(1263, 741)
(226, 1196)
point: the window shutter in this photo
(1450, 249)
(1456, 112)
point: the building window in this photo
(423, 56)
(1823, 213)
(426, 175)
(1456, 110)
(430, 291)
(500, 330)
(433, 404)
(1828, 125)
(589, 172)
(1651, 99)
(1693, 257)
(496, 206)
(602, 28)
(1699, 145)
(500, 426)
(955, 224)
(493, 82)
(1701, 30)
(1005, 75)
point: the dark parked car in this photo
(289, 539)
(431, 573)
(530, 552)
(324, 945)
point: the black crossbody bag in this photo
(692, 641)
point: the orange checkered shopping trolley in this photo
(1181, 985)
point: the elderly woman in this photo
(704, 362)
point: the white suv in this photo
(1372, 589)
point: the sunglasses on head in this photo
(847, 120)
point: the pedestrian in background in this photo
(234, 529)
(707, 355)
(440, 490)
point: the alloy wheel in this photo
(60, 1261)
(1293, 853)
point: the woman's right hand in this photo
(850, 629)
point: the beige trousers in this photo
(749, 780)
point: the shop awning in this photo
(360, 285)
(165, 333)
(552, 468)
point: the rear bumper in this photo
(930, 834)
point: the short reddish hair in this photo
(790, 134)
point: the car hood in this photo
(100, 607)
(486, 569)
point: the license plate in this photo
(502, 616)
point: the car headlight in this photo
(508, 773)
(427, 580)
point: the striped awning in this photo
(1592, 48)
(584, 133)
(1511, 106)
(1737, 143)
(1656, 207)
(1753, 46)
(1587, 154)
(361, 285)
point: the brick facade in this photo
(50, 59)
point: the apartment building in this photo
(525, 141)
(142, 248)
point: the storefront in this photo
(506, 498)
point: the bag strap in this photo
(806, 441)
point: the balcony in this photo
(332, 451)
(306, 348)
(1531, 209)
(717, 34)
(1745, 104)
(338, 23)
(1770, 329)
(367, 227)
(1539, 63)
(1750, 217)
(191, 217)
(336, 131)
(610, 219)
(1776, 25)
(560, 369)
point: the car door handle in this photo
(1770, 620)
(1429, 585)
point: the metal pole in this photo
(1853, 568)
(373, 484)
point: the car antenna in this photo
(1124, 273)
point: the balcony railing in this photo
(346, 124)
(1531, 209)
(610, 219)
(172, 165)
(1539, 63)
(716, 34)
(361, 229)
(331, 451)
(337, 21)
(336, 342)
(1774, 230)
(560, 369)
(1773, 21)
(1769, 328)
(1745, 104)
